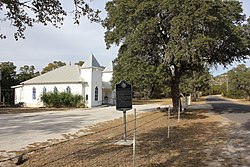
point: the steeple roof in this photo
(91, 62)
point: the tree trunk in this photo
(175, 92)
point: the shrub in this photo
(61, 99)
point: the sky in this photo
(70, 44)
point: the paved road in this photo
(19, 130)
(236, 112)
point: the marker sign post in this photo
(123, 100)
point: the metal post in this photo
(168, 121)
(124, 123)
(134, 138)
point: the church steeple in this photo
(91, 63)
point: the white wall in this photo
(86, 74)
(97, 82)
(107, 76)
(25, 93)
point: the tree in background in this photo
(52, 66)
(239, 82)
(180, 35)
(80, 63)
(27, 72)
(9, 78)
(22, 14)
(195, 82)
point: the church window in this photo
(55, 89)
(87, 97)
(34, 93)
(96, 93)
(68, 89)
(44, 90)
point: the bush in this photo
(61, 99)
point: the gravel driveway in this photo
(19, 130)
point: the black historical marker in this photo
(123, 96)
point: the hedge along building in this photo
(91, 80)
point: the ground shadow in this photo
(222, 106)
(246, 125)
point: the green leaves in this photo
(182, 35)
(23, 14)
(239, 82)
(52, 66)
(61, 99)
(27, 72)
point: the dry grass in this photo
(185, 146)
(163, 101)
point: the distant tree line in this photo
(11, 77)
(235, 83)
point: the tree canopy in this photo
(22, 14)
(238, 82)
(182, 35)
(27, 72)
(52, 66)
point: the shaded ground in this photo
(200, 139)
(232, 110)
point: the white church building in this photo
(90, 80)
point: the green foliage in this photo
(80, 63)
(52, 66)
(197, 81)
(22, 14)
(239, 82)
(9, 78)
(147, 80)
(27, 72)
(182, 36)
(61, 99)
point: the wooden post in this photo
(179, 111)
(168, 121)
(134, 164)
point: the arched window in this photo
(96, 93)
(55, 89)
(68, 89)
(44, 90)
(33, 93)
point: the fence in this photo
(98, 148)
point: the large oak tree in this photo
(183, 35)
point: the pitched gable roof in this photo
(65, 74)
(91, 62)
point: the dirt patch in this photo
(10, 110)
(192, 142)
